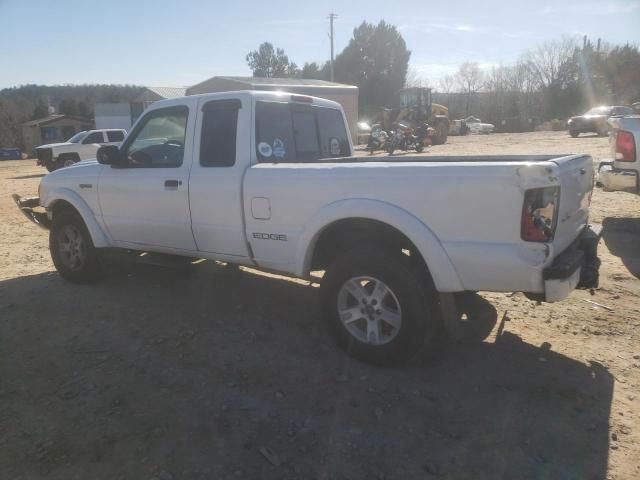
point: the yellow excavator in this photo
(414, 104)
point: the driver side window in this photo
(158, 141)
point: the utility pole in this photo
(332, 17)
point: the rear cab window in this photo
(292, 132)
(115, 135)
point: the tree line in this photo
(556, 79)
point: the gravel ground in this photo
(210, 372)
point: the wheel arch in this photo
(389, 217)
(68, 200)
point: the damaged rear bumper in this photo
(577, 267)
(27, 205)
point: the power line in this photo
(332, 17)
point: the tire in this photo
(72, 250)
(66, 160)
(419, 147)
(388, 330)
(574, 133)
(603, 132)
(52, 166)
(442, 132)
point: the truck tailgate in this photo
(576, 182)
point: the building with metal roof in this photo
(345, 95)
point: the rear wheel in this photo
(574, 133)
(441, 134)
(52, 166)
(377, 306)
(603, 131)
(72, 250)
(66, 160)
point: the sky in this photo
(183, 42)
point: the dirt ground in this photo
(208, 372)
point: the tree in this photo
(549, 61)
(40, 110)
(314, 71)
(376, 60)
(414, 79)
(68, 106)
(83, 110)
(469, 80)
(269, 62)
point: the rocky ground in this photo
(212, 373)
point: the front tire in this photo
(377, 306)
(72, 250)
(574, 133)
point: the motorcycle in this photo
(405, 138)
(377, 139)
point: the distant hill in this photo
(28, 102)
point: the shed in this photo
(345, 95)
(53, 128)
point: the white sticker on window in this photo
(334, 146)
(278, 148)
(265, 149)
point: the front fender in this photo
(442, 271)
(98, 236)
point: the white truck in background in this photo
(268, 179)
(82, 146)
(623, 172)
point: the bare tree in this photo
(414, 79)
(548, 59)
(469, 80)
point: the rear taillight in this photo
(539, 214)
(625, 147)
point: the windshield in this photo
(77, 138)
(599, 111)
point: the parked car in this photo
(623, 172)
(268, 179)
(458, 127)
(476, 126)
(10, 154)
(596, 120)
(82, 146)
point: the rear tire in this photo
(52, 166)
(66, 160)
(72, 250)
(442, 132)
(574, 133)
(377, 306)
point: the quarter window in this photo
(115, 135)
(94, 137)
(219, 132)
(158, 141)
(299, 133)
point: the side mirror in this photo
(109, 155)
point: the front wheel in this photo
(72, 250)
(574, 133)
(377, 306)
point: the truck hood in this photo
(54, 145)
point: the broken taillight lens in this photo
(625, 147)
(539, 214)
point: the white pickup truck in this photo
(267, 179)
(623, 172)
(82, 146)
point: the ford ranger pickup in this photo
(268, 180)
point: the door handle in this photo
(172, 183)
